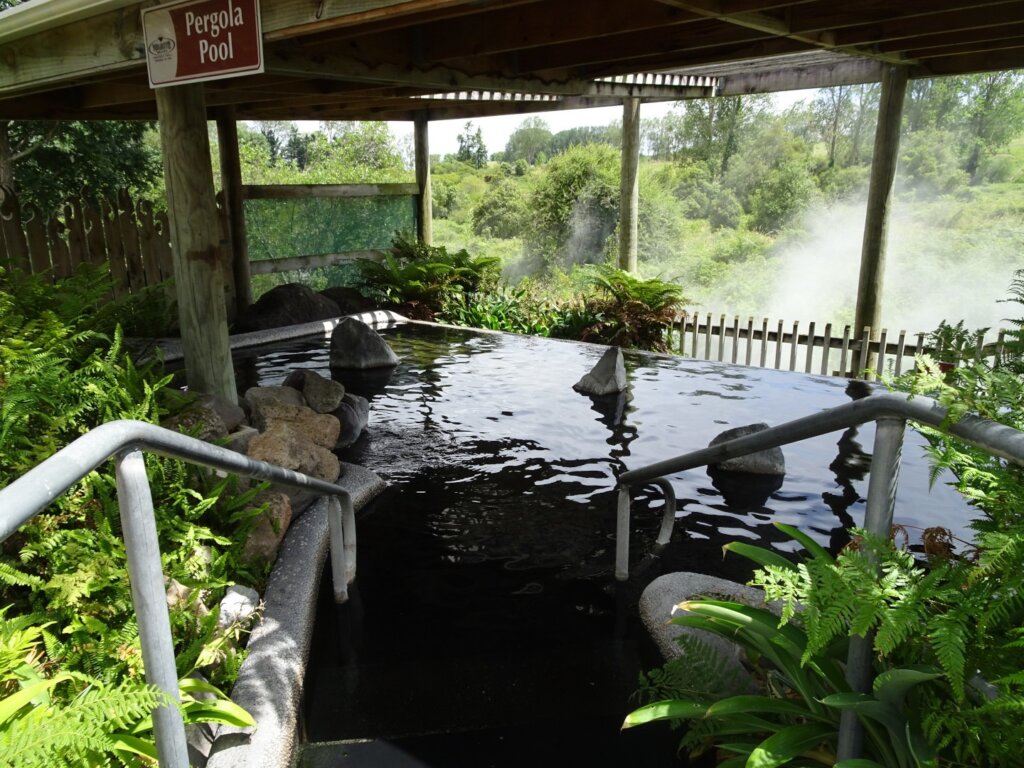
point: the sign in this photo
(199, 40)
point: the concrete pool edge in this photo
(270, 683)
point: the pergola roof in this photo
(392, 59)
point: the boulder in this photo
(349, 300)
(353, 413)
(265, 539)
(239, 440)
(198, 420)
(322, 395)
(287, 395)
(605, 378)
(231, 413)
(238, 605)
(767, 462)
(354, 344)
(320, 428)
(288, 304)
(285, 445)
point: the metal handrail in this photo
(124, 441)
(891, 413)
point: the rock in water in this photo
(354, 344)
(766, 462)
(607, 377)
(288, 304)
(353, 413)
(322, 395)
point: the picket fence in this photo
(126, 235)
(783, 346)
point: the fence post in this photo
(810, 348)
(792, 347)
(145, 574)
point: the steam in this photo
(933, 271)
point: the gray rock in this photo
(321, 428)
(322, 395)
(605, 378)
(286, 446)
(265, 539)
(239, 440)
(356, 345)
(287, 395)
(231, 413)
(659, 600)
(767, 462)
(353, 413)
(239, 604)
(288, 304)
(198, 420)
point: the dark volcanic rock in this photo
(288, 304)
(349, 300)
(356, 345)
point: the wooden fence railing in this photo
(785, 347)
(126, 235)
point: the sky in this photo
(443, 136)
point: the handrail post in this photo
(885, 470)
(145, 574)
(622, 535)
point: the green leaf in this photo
(674, 709)
(780, 748)
(759, 555)
(891, 686)
(858, 762)
(817, 551)
(13, 704)
(220, 711)
(125, 745)
(744, 704)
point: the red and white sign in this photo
(200, 40)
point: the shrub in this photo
(502, 212)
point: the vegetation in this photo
(70, 660)
(945, 625)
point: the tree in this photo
(590, 134)
(833, 116)
(471, 146)
(711, 129)
(529, 141)
(993, 112)
(47, 163)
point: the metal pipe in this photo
(145, 573)
(885, 472)
(997, 439)
(622, 535)
(668, 518)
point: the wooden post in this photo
(231, 184)
(424, 221)
(195, 235)
(876, 222)
(629, 191)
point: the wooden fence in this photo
(126, 235)
(784, 347)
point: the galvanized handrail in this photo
(891, 413)
(124, 440)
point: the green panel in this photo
(316, 225)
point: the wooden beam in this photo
(293, 18)
(296, 64)
(955, 22)
(629, 187)
(425, 214)
(792, 78)
(289, 263)
(294, 191)
(195, 235)
(779, 27)
(231, 185)
(876, 221)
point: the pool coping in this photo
(270, 683)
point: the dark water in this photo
(485, 608)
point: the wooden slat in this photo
(778, 347)
(696, 326)
(293, 191)
(900, 347)
(764, 343)
(35, 236)
(707, 338)
(810, 348)
(721, 339)
(115, 248)
(148, 246)
(843, 370)
(15, 245)
(920, 347)
(793, 346)
(78, 246)
(95, 235)
(735, 337)
(1000, 346)
(826, 350)
(129, 232)
(750, 339)
(268, 266)
(59, 255)
(880, 369)
(865, 347)
(163, 247)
